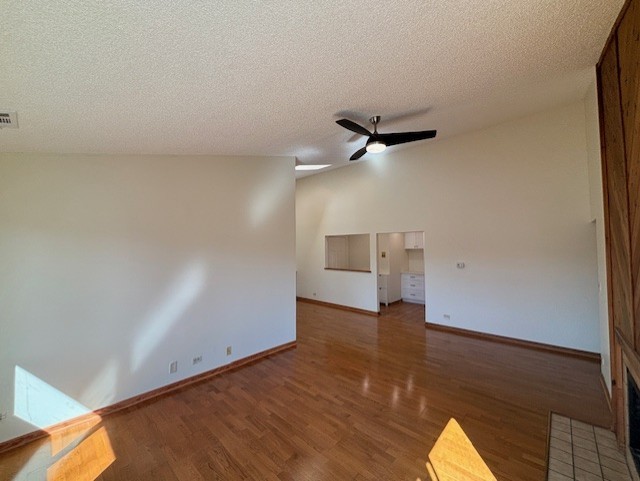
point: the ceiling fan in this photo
(378, 142)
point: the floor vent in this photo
(8, 120)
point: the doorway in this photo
(401, 268)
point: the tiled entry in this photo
(583, 452)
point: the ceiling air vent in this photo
(8, 120)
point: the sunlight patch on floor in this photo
(44, 406)
(86, 461)
(454, 458)
(62, 438)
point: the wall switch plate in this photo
(173, 367)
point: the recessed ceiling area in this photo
(271, 78)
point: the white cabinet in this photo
(413, 288)
(383, 293)
(413, 240)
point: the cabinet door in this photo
(628, 42)
(410, 241)
(615, 173)
(413, 240)
(382, 296)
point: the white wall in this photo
(111, 267)
(597, 214)
(511, 201)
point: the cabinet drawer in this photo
(414, 294)
(413, 277)
(413, 284)
(412, 281)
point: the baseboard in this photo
(538, 346)
(142, 398)
(338, 306)
(607, 396)
(22, 440)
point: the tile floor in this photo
(582, 452)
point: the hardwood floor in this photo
(406, 311)
(360, 398)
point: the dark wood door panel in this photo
(629, 70)
(616, 175)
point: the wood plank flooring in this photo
(361, 398)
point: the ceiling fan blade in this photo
(353, 127)
(358, 154)
(404, 137)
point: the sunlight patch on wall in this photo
(40, 404)
(267, 201)
(178, 299)
(380, 163)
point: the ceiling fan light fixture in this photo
(376, 142)
(376, 146)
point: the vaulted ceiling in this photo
(271, 77)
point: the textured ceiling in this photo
(271, 77)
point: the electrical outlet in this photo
(447, 316)
(228, 350)
(3, 416)
(173, 367)
(197, 360)
(314, 294)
